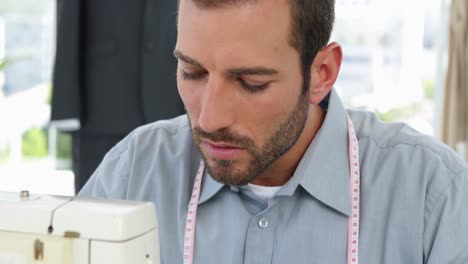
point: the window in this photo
(391, 58)
(27, 152)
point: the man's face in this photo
(241, 84)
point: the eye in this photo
(191, 76)
(253, 88)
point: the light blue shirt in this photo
(414, 197)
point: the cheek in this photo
(272, 112)
(277, 105)
(265, 117)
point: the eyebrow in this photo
(231, 72)
(180, 56)
(252, 71)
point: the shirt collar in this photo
(324, 169)
(209, 187)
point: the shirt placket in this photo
(261, 236)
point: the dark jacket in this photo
(114, 68)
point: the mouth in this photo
(221, 151)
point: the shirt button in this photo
(263, 223)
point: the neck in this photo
(283, 168)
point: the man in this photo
(256, 79)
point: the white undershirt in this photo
(264, 193)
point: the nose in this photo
(217, 110)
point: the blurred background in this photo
(396, 59)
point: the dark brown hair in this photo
(312, 24)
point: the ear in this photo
(324, 71)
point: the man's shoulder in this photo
(402, 139)
(170, 127)
(405, 157)
(139, 164)
(154, 139)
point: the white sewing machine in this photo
(67, 230)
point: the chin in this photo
(228, 174)
(228, 180)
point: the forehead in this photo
(256, 30)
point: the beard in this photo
(281, 140)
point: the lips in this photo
(221, 151)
